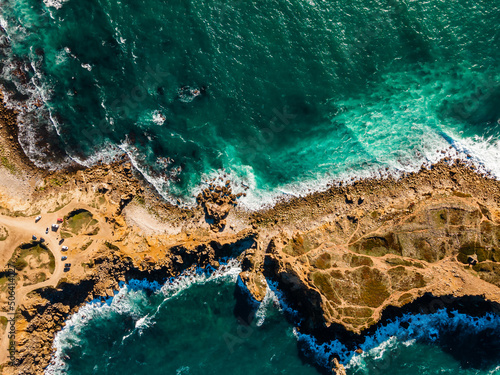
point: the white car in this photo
(64, 248)
(38, 218)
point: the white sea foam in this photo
(483, 153)
(129, 301)
(158, 118)
(494, 371)
(434, 145)
(243, 179)
(426, 327)
(54, 3)
(109, 153)
(280, 301)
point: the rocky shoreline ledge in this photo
(347, 259)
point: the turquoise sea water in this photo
(189, 327)
(193, 326)
(283, 95)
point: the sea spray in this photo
(139, 308)
(406, 330)
(185, 326)
(372, 91)
(130, 301)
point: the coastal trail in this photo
(20, 230)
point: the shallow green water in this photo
(292, 94)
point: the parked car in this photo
(46, 230)
(64, 258)
(66, 269)
(59, 220)
(42, 239)
(55, 227)
(67, 265)
(38, 218)
(33, 237)
(64, 248)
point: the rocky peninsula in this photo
(346, 259)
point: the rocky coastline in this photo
(348, 259)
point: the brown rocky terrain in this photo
(349, 270)
(343, 257)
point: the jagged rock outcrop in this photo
(342, 257)
(338, 369)
(347, 272)
(217, 201)
(44, 314)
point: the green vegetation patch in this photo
(55, 182)
(393, 261)
(110, 246)
(440, 217)
(356, 312)
(65, 234)
(430, 254)
(322, 282)
(79, 221)
(461, 195)
(459, 216)
(4, 233)
(405, 298)
(101, 200)
(40, 277)
(489, 272)
(372, 287)
(86, 245)
(299, 245)
(403, 279)
(7, 164)
(3, 324)
(490, 235)
(377, 246)
(36, 251)
(474, 248)
(4, 282)
(358, 260)
(323, 261)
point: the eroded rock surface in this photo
(342, 257)
(348, 271)
(217, 201)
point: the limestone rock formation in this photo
(338, 369)
(347, 272)
(217, 201)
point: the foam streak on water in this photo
(283, 97)
(407, 331)
(131, 300)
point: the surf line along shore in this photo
(394, 242)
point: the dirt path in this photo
(21, 230)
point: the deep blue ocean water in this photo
(284, 97)
(191, 325)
